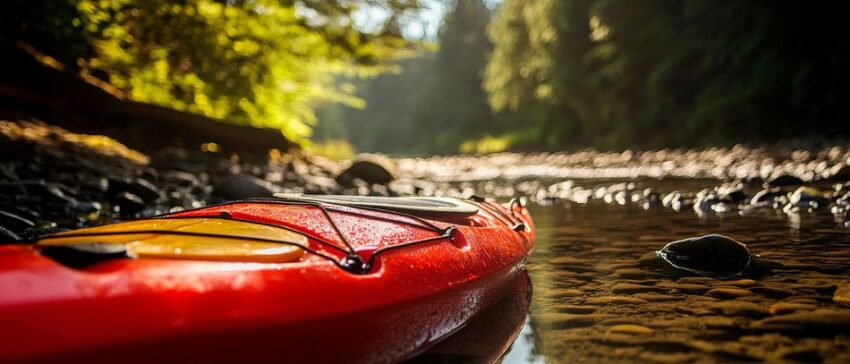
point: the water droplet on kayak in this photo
(711, 255)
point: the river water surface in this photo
(600, 294)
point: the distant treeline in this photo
(551, 74)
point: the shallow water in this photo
(601, 294)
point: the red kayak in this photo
(292, 279)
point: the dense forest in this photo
(556, 74)
(509, 74)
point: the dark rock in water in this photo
(128, 203)
(784, 180)
(807, 197)
(840, 174)
(240, 187)
(753, 182)
(711, 255)
(733, 195)
(705, 200)
(14, 222)
(371, 168)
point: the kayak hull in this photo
(140, 310)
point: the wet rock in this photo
(711, 255)
(734, 195)
(729, 293)
(705, 200)
(576, 309)
(682, 203)
(699, 280)
(839, 173)
(570, 292)
(835, 320)
(684, 287)
(655, 297)
(808, 197)
(137, 186)
(630, 330)
(92, 207)
(181, 178)
(371, 168)
(737, 308)
(567, 321)
(628, 288)
(745, 283)
(782, 308)
(14, 222)
(7, 235)
(240, 187)
(766, 197)
(128, 203)
(784, 180)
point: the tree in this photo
(258, 62)
(658, 73)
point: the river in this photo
(600, 294)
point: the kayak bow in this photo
(294, 278)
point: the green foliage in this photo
(257, 62)
(437, 102)
(657, 73)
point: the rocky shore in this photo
(52, 178)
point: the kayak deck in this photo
(411, 296)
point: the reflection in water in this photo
(522, 350)
(490, 335)
(602, 295)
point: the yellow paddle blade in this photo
(230, 246)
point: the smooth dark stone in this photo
(704, 202)
(841, 175)
(784, 180)
(87, 207)
(711, 255)
(734, 196)
(137, 186)
(240, 187)
(100, 185)
(181, 178)
(753, 182)
(14, 222)
(373, 169)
